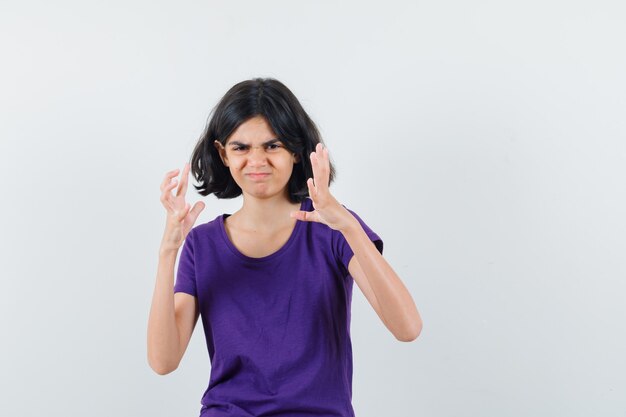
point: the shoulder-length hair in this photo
(271, 99)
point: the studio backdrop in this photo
(483, 141)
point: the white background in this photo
(484, 141)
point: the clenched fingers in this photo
(168, 179)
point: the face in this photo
(254, 148)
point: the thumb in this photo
(180, 215)
(305, 216)
(196, 210)
(198, 207)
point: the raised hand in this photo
(327, 209)
(180, 219)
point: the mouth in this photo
(258, 176)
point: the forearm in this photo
(163, 335)
(395, 301)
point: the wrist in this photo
(351, 224)
(168, 251)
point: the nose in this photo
(257, 158)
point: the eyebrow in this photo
(237, 143)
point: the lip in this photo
(257, 176)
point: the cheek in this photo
(287, 167)
(236, 165)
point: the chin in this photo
(263, 192)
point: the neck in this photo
(266, 214)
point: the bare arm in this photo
(394, 304)
(381, 285)
(172, 316)
(172, 319)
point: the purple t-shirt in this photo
(277, 328)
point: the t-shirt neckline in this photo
(282, 249)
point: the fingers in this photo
(190, 214)
(166, 194)
(183, 213)
(166, 187)
(184, 179)
(168, 178)
(312, 190)
(170, 182)
(320, 163)
(305, 216)
(173, 203)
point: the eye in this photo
(273, 146)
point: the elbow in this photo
(410, 334)
(161, 367)
(162, 370)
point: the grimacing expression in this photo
(258, 161)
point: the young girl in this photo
(273, 281)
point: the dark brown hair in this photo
(271, 99)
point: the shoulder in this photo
(367, 228)
(209, 228)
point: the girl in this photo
(273, 281)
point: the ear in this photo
(221, 151)
(296, 158)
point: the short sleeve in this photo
(342, 250)
(186, 275)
